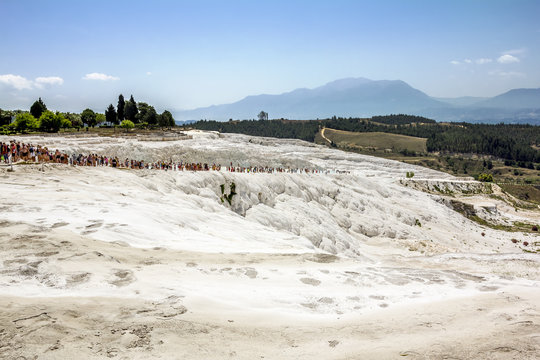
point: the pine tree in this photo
(37, 108)
(110, 115)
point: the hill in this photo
(374, 140)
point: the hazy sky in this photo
(187, 54)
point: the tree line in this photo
(127, 114)
(515, 142)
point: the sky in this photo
(180, 55)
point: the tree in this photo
(88, 117)
(100, 118)
(5, 117)
(65, 123)
(151, 116)
(75, 120)
(166, 119)
(37, 108)
(147, 114)
(50, 122)
(131, 110)
(25, 121)
(110, 115)
(263, 115)
(121, 107)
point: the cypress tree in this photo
(131, 110)
(121, 107)
(110, 115)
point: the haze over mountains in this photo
(361, 97)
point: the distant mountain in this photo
(346, 97)
(514, 99)
(515, 106)
(361, 97)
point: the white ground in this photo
(101, 262)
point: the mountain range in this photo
(361, 97)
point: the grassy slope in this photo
(376, 140)
(521, 183)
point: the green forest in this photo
(515, 143)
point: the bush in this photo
(6, 129)
(229, 196)
(534, 228)
(50, 121)
(24, 122)
(409, 174)
(485, 177)
(509, 162)
(127, 124)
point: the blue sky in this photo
(187, 54)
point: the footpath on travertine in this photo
(14, 153)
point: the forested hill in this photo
(506, 141)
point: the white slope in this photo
(144, 264)
(291, 245)
(331, 212)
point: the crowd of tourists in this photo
(14, 151)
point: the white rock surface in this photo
(293, 247)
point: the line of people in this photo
(13, 152)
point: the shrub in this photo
(228, 196)
(127, 124)
(525, 243)
(515, 241)
(485, 177)
(509, 162)
(50, 121)
(409, 174)
(534, 228)
(25, 121)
